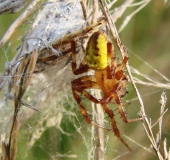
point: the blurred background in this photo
(60, 132)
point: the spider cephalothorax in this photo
(109, 77)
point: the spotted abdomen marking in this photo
(96, 51)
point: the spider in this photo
(109, 77)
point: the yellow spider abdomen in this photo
(96, 51)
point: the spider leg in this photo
(110, 52)
(109, 58)
(122, 111)
(78, 86)
(107, 99)
(114, 125)
(82, 109)
(113, 69)
(113, 95)
(85, 82)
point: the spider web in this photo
(58, 130)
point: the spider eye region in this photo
(96, 51)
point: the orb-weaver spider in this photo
(108, 77)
